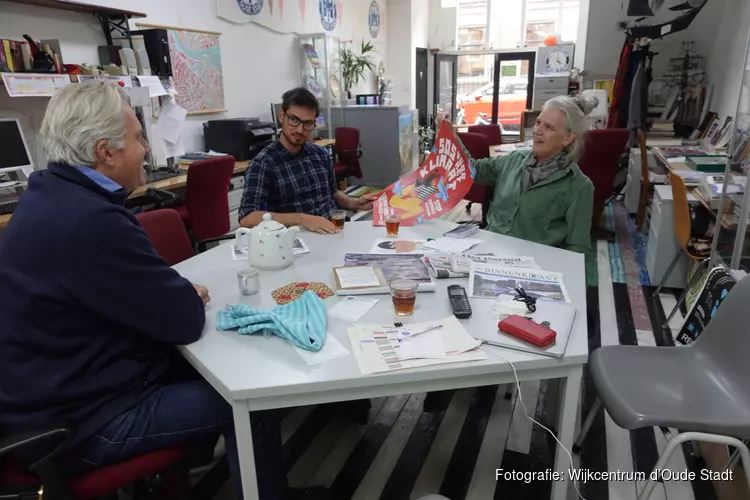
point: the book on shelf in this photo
(710, 164)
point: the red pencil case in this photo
(525, 329)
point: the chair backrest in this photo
(601, 151)
(491, 132)
(167, 233)
(346, 149)
(681, 210)
(206, 196)
(476, 144)
(640, 216)
(724, 340)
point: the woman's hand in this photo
(442, 117)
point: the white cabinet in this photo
(662, 244)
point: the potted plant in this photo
(353, 66)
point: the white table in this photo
(256, 373)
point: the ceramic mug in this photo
(248, 279)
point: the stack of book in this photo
(712, 187)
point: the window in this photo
(537, 32)
(510, 24)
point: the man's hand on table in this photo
(317, 224)
(202, 293)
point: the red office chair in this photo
(206, 208)
(167, 233)
(346, 154)
(19, 483)
(479, 148)
(491, 132)
(601, 151)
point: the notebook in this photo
(560, 316)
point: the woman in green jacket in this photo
(541, 195)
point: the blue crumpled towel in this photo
(302, 322)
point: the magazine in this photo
(462, 263)
(490, 282)
(392, 246)
(394, 267)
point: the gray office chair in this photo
(703, 389)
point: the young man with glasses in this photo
(293, 179)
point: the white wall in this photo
(604, 40)
(727, 58)
(420, 27)
(399, 58)
(258, 64)
(442, 26)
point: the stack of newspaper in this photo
(443, 266)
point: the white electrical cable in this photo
(525, 412)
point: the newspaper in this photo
(462, 263)
(490, 282)
(440, 266)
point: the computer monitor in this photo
(15, 152)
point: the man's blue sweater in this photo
(89, 313)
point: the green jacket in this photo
(556, 211)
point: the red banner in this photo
(434, 188)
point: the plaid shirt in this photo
(284, 182)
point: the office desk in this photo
(175, 182)
(179, 181)
(255, 373)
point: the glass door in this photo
(475, 84)
(514, 87)
(445, 85)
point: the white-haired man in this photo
(90, 312)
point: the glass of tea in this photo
(404, 295)
(338, 217)
(391, 224)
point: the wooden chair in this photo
(640, 215)
(682, 233)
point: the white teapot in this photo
(270, 246)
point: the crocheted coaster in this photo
(293, 291)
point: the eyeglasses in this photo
(295, 121)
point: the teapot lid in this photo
(269, 224)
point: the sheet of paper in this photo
(375, 346)
(155, 88)
(352, 308)
(239, 251)
(171, 119)
(139, 96)
(173, 150)
(426, 346)
(331, 349)
(394, 245)
(357, 276)
(451, 245)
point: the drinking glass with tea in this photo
(338, 217)
(391, 224)
(404, 295)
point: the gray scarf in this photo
(536, 171)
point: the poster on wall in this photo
(196, 69)
(297, 16)
(434, 188)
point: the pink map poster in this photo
(196, 70)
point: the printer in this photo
(242, 138)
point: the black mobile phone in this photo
(459, 302)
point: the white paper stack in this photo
(451, 245)
(380, 348)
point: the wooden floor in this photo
(404, 453)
